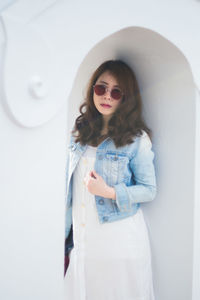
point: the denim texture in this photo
(128, 169)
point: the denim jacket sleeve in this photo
(142, 167)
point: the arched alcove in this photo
(168, 94)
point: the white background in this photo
(48, 50)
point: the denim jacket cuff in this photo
(122, 200)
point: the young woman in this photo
(110, 172)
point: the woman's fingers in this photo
(95, 183)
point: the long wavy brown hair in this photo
(125, 123)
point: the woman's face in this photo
(105, 104)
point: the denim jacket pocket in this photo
(115, 167)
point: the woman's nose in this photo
(107, 94)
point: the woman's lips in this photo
(106, 105)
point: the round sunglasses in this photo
(101, 89)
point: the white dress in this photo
(109, 261)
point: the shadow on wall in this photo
(168, 94)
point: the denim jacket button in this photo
(115, 158)
(105, 218)
(101, 201)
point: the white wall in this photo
(196, 261)
(58, 44)
(33, 151)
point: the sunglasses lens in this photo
(99, 89)
(116, 94)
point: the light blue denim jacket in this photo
(128, 169)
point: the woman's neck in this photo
(104, 131)
(105, 125)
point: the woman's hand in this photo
(97, 186)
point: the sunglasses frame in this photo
(107, 89)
